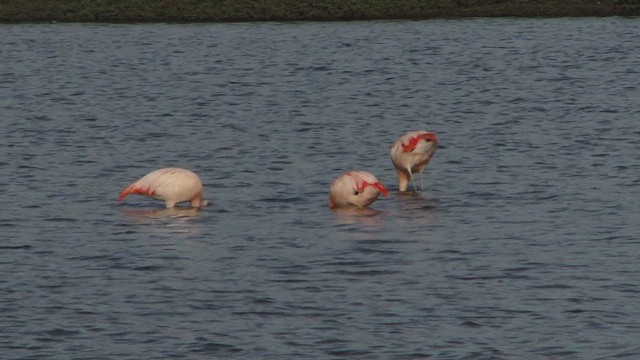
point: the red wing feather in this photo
(381, 188)
(411, 145)
(361, 184)
(135, 189)
(413, 142)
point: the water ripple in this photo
(521, 245)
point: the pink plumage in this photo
(410, 154)
(171, 185)
(355, 188)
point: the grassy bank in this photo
(289, 10)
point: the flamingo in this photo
(410, 154)
(355, 188)
(171, 185)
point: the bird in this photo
(355, 189)
(171, 185)
(410, 154)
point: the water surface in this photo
(523, 244)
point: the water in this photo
(524, 243)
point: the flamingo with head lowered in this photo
(356, 189)
(171, 185)
(410, 154)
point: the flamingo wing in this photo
(149, 184)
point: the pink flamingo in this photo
(355, 188)
(171, 185)
(410, 154)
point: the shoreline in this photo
(184, 11)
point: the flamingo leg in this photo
(421, 182)
(412, 181)
(403, 179)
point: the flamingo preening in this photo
(355, 188)
(171, 185)
(410, 154)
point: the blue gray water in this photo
(524, 243)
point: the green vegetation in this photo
(290, 10)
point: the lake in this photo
(524, 243)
